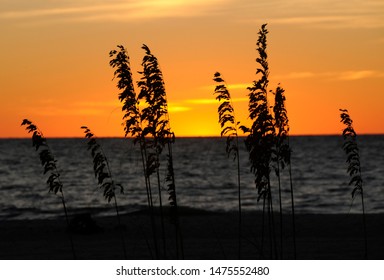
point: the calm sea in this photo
(205, 177)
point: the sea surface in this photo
(205, 177)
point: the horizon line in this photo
(187, 136)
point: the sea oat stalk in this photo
(282, 157)
(354, 170)
(155, 119)
(229, 126)
(132, 120)
(261, 134)
(104, 177)
(49, 165)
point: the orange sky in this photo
(54, 61)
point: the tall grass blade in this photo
(152, 91)
(156, 131)
(229, 127)
(354, 170)
(174, 215)
(133, 120)
(260, 139)
(282, 157)
(48, 162)
(104, 177)
(261, 135)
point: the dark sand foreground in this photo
(206, 235)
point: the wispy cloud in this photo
(349, 75)
(314, 13)
(342, 76)
(117, 10)
(358, 75)
(319, 13)
(331, 21)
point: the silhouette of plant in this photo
(353, 160)
(132, 120)
(104, 175)
(156, 127)
(149, 126)
(120, 61)
(227, 118)
(174, 215)
(229, 127)
(155, 113)
(266, 140)
(48, 162)
(46, 157)
(101, 167)
(282, 157)
(260, 140)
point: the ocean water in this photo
(205, 177)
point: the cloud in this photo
(118, 10)
(331, 21)
(326, 14)
(358, 75)
(342, 76)
(314, 13)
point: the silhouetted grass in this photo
(133, 120)
(156, 129)
(260, 138)
(267, 139)
(104, 177)
(174, 213)
(282, 157)
(149, 125)
(229, 127)
(48, 162)
(354, 170)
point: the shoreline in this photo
(205, 235)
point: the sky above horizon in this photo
(55, 68)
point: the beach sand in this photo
(205, 235)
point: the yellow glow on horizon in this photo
(203, 101)
(176, 108)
